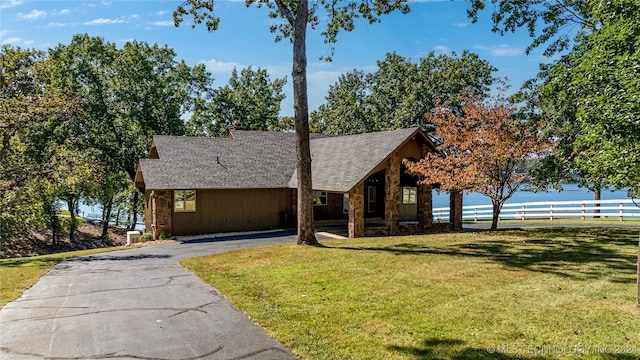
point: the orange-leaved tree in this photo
(483, 148)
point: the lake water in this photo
(570, 192)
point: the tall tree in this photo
(483, 149)
(31, 117)
(250, 100)
(295, 15)
(127, 94)
(399, 92)
(599, 75)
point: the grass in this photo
(548, 293)
(19, 274)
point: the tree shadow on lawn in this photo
(561, 251)
(454, 349)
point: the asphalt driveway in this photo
(135, 304)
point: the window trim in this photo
(410, 197)
(185, 206)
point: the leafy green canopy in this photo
(589, 99)
(250, 100)
(603, 71)
(400, 92)
(32, 122)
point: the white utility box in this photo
(133, 237)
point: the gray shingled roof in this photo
(263, 161)
(256, 159)
(339, 163)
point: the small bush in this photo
(147, 237)
(163, 235)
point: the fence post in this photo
(583, 217)
(524, 211)
(475, 215)
(551, 212)
(621, 211)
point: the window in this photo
(319, 198)
(345, 203)
(184, 200)
(409, 195)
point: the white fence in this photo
(550, 210)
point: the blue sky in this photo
(244, 38)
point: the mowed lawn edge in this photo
(532, 293)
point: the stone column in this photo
(356, 211)
(164, 211)
(425, 206)
(392, 194)
(455, 210)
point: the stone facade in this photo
(425, 206)
(392, 194)
(161, 213)
(356, 211)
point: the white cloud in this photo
(162, 12)
(56, 24)
(442, 49)
(10, 3)
(216, 66)
(33, 15)
(501, 50)
(104, 21)
(461, 24)
(162, 23)
(64, 12)
(11, 40)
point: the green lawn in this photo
(17, 275)
(513, 294)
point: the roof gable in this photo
(258, 159)
(339, 163)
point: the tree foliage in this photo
(250, 100)
(127, 95)
(291, 18)
(32, 121)
(547, 22)
(399, 92)
(589, 101)
(483, 149)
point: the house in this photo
(247, 181)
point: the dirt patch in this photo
(87, 237)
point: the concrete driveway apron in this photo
(135, 304)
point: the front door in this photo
(409, 204)
(374, 195)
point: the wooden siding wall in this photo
(333, 210)
(219, 211)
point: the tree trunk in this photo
(73, 225)
(597, 194)
(54, 223)
(497, 207)
(306, 233)
(107, 217)
(134, 209)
